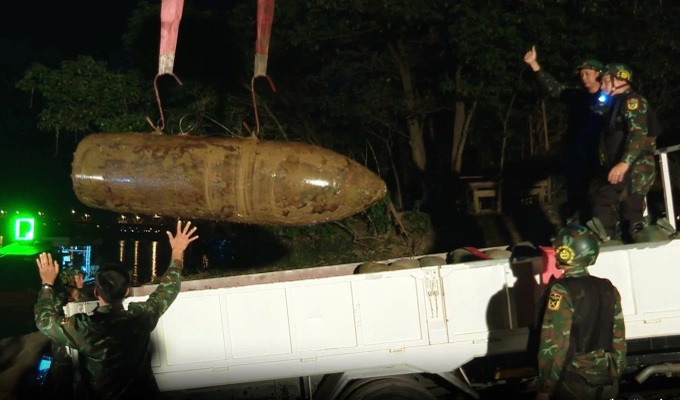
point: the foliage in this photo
(83, 96)
(337, 242)
(378, 216)
(313, 245)
(419, 221)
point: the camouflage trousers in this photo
(581, 390)
(624, 201)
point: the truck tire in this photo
(390, 388)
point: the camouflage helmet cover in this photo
(589, 63)
(67, 274)
(577, 246)
(618, 71)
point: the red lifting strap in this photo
(265, 16)
(477, 253)
(171, 15)
(549, 265)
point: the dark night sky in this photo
(48, 33)
(70, 27)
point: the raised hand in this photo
(531, 58)
(180, 241)
(47, 268)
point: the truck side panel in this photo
(431, 319)
(288, 329)
(647, 278)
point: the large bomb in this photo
(224, 179)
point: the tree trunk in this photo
(56, 142)
(545, 126)
(461, 127)
(505, 132)
(415, 127)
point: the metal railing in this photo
(666, 182)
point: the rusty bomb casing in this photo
(222, 179)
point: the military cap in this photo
(589, 63)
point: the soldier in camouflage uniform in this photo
(626, 154)
(113, 342)
(69, 286)
(582, 349)
(581, 140)
(73, 282)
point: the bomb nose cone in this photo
(361, 189)
(226, 179)
(308, 184)
(333, 191)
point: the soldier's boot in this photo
(608, 217)
(666, 226)
(642, 232)
(607, 237)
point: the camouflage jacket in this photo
(627, 138)
(113, 342)
(554, 88)
(555, 340)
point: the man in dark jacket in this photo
(581, 139)
(113, 342)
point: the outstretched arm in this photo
(47, 314)
(170, 283)
(546, 80)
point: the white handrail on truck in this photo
(666, 182)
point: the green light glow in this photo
(23, 249)
(24, 229)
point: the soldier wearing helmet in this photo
(582, 350)
(72, 279)
(581, 139)
(69, 286)
(113, 342)
(626, 154)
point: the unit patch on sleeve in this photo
(554, 301)
(632, 104)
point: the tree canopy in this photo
(419, 91)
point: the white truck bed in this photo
(430, 319)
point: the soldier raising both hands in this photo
(113, 342)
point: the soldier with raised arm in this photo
(113, 342)
(579, 163)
